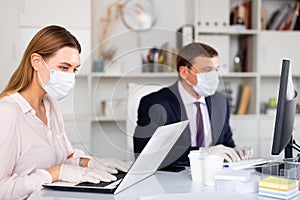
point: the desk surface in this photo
(161, 183)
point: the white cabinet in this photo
(276, 46)
(212, 15)
(222, 44)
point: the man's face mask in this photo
(207, 83)
(59, 84)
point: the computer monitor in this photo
(285, 114)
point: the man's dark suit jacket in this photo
(166, 107)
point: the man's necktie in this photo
(200, 128)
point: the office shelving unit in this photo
(265, 51)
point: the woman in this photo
(34, 147)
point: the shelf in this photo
(274, 32)
(239, 75)
(172, 75)
(277, 76)
(81, 75)
(243, 117)
(272, 116)
(229, 32)
(72, 118)
(137, 75)
(106, 119)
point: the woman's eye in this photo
(64, 68)
(75, 70)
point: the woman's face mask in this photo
(59, 84)
(207, 83)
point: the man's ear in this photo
(35, 60)
(183, 72)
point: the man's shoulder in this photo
(165, 93)
(217, 95)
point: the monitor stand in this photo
(288, 150)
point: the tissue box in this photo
(239, 181)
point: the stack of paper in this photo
(240, 181)
(229, 174)
(278, 187)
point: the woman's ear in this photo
(35, 60)
(183, 72)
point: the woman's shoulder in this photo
(8, 107)
(7, 103)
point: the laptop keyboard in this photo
(250, 163)
(119, 176)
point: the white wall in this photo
(8, 40)
(168, 21)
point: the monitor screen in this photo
(285, 114)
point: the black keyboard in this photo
(119, 176)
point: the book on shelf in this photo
(289, 23)
(272, 19)
(245, 54)
(185, 35)
(263, 19)
(284, 18)
(229, 93)
(241, 14)
(281, 17)
(243, 99)
(295, 25)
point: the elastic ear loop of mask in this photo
(39, 76)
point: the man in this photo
(192, 97)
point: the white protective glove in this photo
(244, 152)
(229, 154)
(108, 165)
(77, 174)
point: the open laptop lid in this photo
(145, 165)
(153, 154)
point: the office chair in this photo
(135, 93)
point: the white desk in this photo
(158, 184)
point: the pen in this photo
(225, 165)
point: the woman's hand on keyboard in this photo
(229, 154)
(71, 173)
(244, 152)
(109, 165)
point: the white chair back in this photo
(135, 93)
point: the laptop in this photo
(144, 166)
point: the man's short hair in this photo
(189, 52)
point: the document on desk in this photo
(208, 195)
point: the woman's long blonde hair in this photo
(46, 43)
